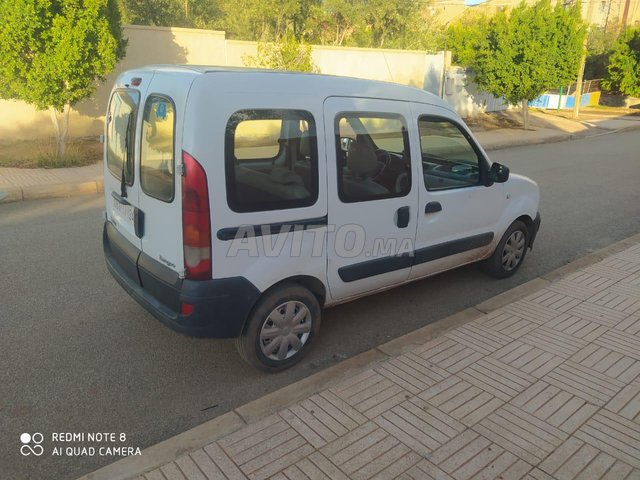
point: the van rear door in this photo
(160, 186)
(120, 182)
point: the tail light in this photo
(196, 222)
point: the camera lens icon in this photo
(27, 440)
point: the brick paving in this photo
(547, 387)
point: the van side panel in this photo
(255, 253)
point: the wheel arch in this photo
(313, 284)
(531, 227)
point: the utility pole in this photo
(578, 93)
(625, 14)
(606, 20)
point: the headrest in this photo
(361, 158)
(305, 144)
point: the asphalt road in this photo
(78, 355)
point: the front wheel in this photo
(280, 328)
(510, 252)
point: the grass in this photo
(42, 153)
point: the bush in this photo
(285, 54)
(600, 42)
(624, 64)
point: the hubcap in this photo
(513, 250)
(285, 331)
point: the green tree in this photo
(466, 35)
(161, 13)
(170, 13)
(600, 42)
(373, 23)
(333, 22)
(262, 20)
(520, 55)
(389, 21)
(53, 51)
(285, 54)
(624, 64)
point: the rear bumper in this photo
(536, 227)
(220, 306)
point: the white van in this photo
(241, 202)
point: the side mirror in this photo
(345, 143)
(497, 174)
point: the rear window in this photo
(121, 121)
(157, 148)
(271, 160)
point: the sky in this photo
(473, 2)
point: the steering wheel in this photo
(384, 157)
(463, 169)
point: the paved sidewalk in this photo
(549, 128)
(31, 183)
(27, 177)
(544, 387)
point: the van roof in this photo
(318, 84)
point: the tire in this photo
(510, 252)
(275, 316)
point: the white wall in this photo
(463, 95)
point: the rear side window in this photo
(121, 121)
(255, 139)
(158, 147)
(271, 160)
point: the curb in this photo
(208, 432)
(55, 190)
(562, 137)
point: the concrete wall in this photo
(149, 45)
(399, 66)
(464, 96)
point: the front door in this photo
(372, 195)
(458, 215)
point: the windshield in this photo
(121, 133)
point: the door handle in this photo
(402, 217)
(432, 207)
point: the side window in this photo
(157, 151)
(271, 160)
(373, 157)
(121, 121)
(449, 159)
(257, 139)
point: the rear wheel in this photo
(280, 328)
(510, 252)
